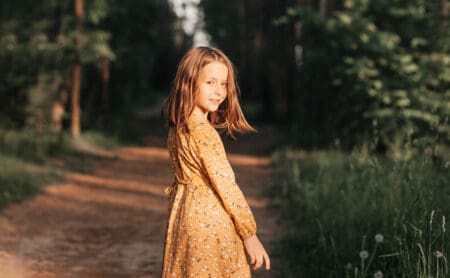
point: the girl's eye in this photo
(209, 82)
(224, 84)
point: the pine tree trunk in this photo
(323, 7)
(76, 82)
(58, 109)
(105, 72)
(444, 9)
(76, 71)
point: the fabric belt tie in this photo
(168, 190)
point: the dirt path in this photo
(110, 222)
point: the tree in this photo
(108, 54)
(76, 71)
(262, 52)
(383, 76)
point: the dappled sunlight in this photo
(114, 211)
(142, 154)
(248, 160)
(99, 194)
(122, 186)
(6, 226)
(256, 202)
(11, 266)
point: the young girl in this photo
(210, 222)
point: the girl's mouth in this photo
(215, 101)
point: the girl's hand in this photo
(256, 251)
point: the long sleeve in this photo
(214, 161)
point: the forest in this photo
(352, 99)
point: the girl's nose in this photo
(217, 89)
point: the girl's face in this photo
(212, 87)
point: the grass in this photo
(20, 179)
(362, 216)
(29, 145)
(25, 149)
(24, 156)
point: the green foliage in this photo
(40, 99)
(19, 180)
(37, 51)
(30, 145)
(24, 153)
(146, 55)
(218, 15)
(377, 71)
(334, 205)
(94, 140)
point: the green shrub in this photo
(334, 205)
(30, 145)
(23, 154)
(19, 179)
(376, 72)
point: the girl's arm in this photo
(214, 161)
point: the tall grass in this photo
(24, 153)
(361, 216)
(29, 145)
(20, 179)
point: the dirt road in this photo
(110, 221)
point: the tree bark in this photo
(75, 127)
(105, 72)
(444, 9)
(58, 108)
(442, 31)
(287, 65)
(323, 7)
(76, 82)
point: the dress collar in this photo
(198, 118)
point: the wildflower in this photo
(378, 274)
(438, 254)
(379, 238)
(363, 254)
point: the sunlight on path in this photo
(110, 222)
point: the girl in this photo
(210, 222)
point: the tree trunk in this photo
(58, 108)
(105, 72)
(323, 8)
(76, 82)
(287, 65)
(76, 71)
(444, 9)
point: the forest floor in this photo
(108, 220)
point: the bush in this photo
(19, 180)
(22, 150)
(355, 215)
(30, 145)
(383, 69)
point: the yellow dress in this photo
(208, 215)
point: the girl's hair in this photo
(181, 102)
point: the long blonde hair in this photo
(181, 101)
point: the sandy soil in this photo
(110, 221)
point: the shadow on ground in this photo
(109, 219)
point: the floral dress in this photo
(208, 215)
